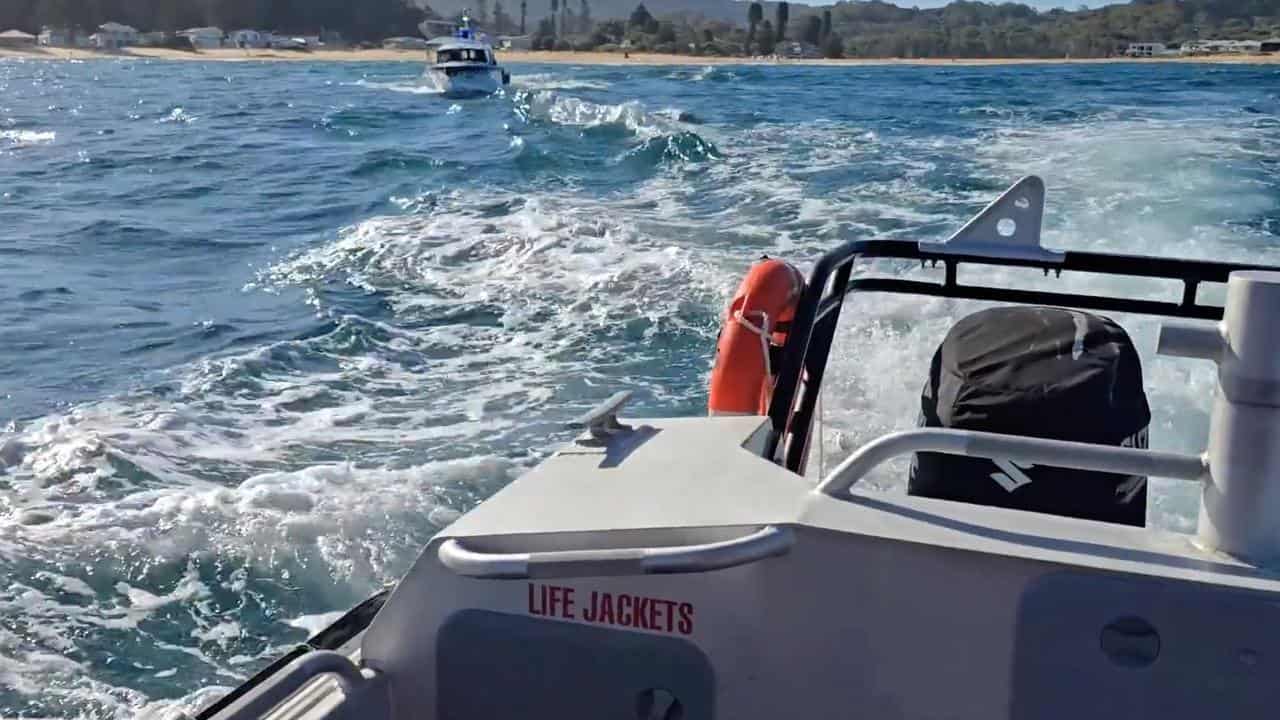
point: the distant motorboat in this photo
(465, 65)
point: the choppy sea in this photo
(264, 328)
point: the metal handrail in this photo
(1056, 453)
(297, 674)
(766, 542)
(804, 357)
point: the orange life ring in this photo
(759, 316)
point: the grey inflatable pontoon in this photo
(685, 568)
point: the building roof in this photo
(17, 35)
(116, 28)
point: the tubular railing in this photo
(804, 357)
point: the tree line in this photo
(354, 19)
(870, 28)
(966, 29)
(877, 29)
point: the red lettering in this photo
(533, 608)
(624, 610)
(642, 613)
(686, 619)
(669, 610)
(567, 605)
(606, 608)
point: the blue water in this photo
(264, 328)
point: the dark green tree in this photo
(767, 39)
(640, 18)
(544, 37)
(826, 23)
(501, 20)
(523, 13)
(812, 30)
(784, 14)
(755, 13)
(833, 47)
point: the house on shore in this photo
(157, 38)
(249, 39)
(17, 39)
(405, 43)
(55, 37)
(515, 42)
(285, 42)
(1224, 47)
(797, 49)
(113, 36)
(203, 38)
(1152, 49)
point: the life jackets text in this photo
(615, 609)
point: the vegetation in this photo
(870, 28)
(977, 29)
(755, 14)
(962, 29)
(363, 20)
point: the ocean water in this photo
(264, 328)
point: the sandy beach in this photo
(573, 58)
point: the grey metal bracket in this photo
(601, 421)
(1007, 228)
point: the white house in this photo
(516, 42)
(54, 37)
(1147, 50)
(157, 38)
(796, 49)
(283, 42)
(16, 38)
(112, 35)
(1221, 47)
(405, 43)
(249, 39)
(203, 38)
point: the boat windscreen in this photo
(463, 55)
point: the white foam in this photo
(178, 115)
(549, 81)
(417, 86)
(26, 138)
(313, 624)
(68, 584)
(577, 112)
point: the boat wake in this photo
(419, 86)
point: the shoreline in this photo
(587, 58)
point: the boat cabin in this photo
(470, 54)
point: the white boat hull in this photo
(468, 82)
